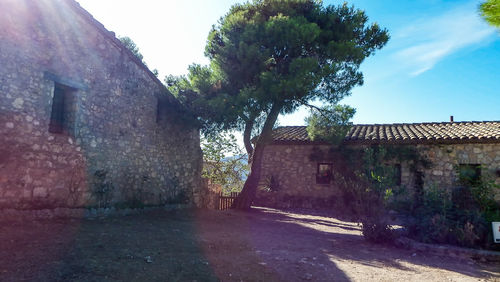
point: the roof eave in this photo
(392, 142)
(112, 38)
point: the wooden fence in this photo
(225, 202)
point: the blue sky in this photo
(442, 59)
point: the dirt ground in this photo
(204, 245)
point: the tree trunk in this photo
(247, 134)
(247, 195)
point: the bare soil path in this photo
(204, 245)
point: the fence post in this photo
(226, 202)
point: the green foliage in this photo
(469, 175)
(490, 10)
(224, 162)
(330, 123)
(270, 56)
(376, 163)
(461, 216)
(366, 200)
(482, 193)
(436, 201)
(379, 158)
(130, 44)
(367, 180)
(205, 110)
(272, 184)
(377, 231)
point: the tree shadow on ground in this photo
(341, 244)
(204, 245)
(252, 248)
(150, 247)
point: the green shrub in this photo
(272, 184)
(460, 217)
(367, 198)
(376, 230)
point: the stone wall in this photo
(295, 175)
(446, 158)
(117, 146)
(292, 168)
(210, 194)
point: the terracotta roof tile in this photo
(400, 133)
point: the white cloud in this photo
(429, 40)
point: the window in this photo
(419, 186)
(324, 173)
(397, 175)
(62, 117)
(469, 174)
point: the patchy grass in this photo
(203, 245)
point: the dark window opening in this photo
(62, 117)
(324, 173)
(397, 175)
(469, 174)
(419, 187)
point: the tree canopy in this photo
(330, 123)
(224, 163)
(130, 44)
(490, 10)
(269, 57)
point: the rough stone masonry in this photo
(288, 159)
(83, 123)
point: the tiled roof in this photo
(402, 133)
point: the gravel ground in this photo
(203, 245)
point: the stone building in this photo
(450, 148)
(83, 122)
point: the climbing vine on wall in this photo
(366, 178)
(374, 162)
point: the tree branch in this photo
(321, 111)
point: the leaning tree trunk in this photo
(247, 195)
(247, 134)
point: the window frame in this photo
(63, 111)
(328, 177)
